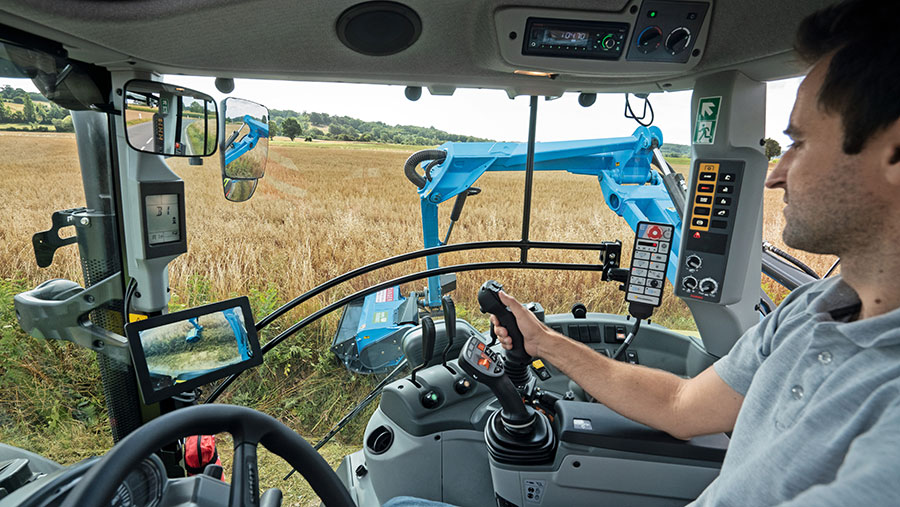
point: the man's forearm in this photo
(646, 395)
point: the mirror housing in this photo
(169, 120)
(245, 147)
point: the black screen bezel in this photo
(139, 361)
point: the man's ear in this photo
(892, 153)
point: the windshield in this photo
(334, 198)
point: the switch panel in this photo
(713, 202)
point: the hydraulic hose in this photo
(409, 168)
(793, 260)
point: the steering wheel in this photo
(248, 428)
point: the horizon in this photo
(483, 113)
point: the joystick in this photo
(515, 434)
(517, 359)
(428, 336)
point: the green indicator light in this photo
(652, 14)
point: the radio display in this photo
(599, 40)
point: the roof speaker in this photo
(379, 28)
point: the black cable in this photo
(790, 258)
(126, 301)
(629, 113)
(630, 338)
(832, 268)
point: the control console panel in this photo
(649, 261)
(704, 254)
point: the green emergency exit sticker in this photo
(379, 317)
(707, 120)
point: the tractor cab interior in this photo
(471, 424)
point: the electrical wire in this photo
(629, 112)
(790, 258)
(126, 301)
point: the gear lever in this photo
(449, 327)
(428, 334)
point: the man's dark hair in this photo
(862, 81)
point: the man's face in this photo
(832, 198)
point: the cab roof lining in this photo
(296, 40)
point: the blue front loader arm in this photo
(622, 166)
(258, 130)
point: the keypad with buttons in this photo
(649, 262)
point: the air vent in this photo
(379, 28)
(380, 440)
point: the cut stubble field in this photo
(320, 211)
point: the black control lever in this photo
(428, 335)
(517, 359)
(450, 328)
(487, 367)
(457, 209)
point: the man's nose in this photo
(778, 175)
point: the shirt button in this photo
(797, 392)
(825, 357)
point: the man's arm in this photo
(682, 408)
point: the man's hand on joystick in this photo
(532, 329)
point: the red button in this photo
(654, 233)
(485, 362)
(696, 235)
(480, 346)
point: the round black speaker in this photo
(379, 28)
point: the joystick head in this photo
(489, 297)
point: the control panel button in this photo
(652, 292)
(658, 275)
(726, 189)
(699, 222)
(637, 280)
(636, 289)
(654, 283)
(701, 210)
(718, 224)
(658, 266)
(726, 177)
(705, 188)
(642, 255)
(723, 201)
(707, 176)
(704, 199)
(638, 272)
(658, 257)
(663, 246)
(640, 264)
(721, 212)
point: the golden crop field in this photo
(322, 211)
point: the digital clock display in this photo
(162, 218)
(565, 38)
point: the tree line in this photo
(309, 126)
(36, 113)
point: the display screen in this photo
(162, 218)
(176, 352)
(565, 38)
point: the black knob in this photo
(689, 283)
(708, 286)
(678, 40)
(579, 311)
(693, 262)
(655, 284)
(463, 385)
(431, 399)
(649, 39)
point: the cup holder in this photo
(380, 440)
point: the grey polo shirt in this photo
(820, 422)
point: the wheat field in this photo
(320, 212)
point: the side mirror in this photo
(169, 120)
(245, 147)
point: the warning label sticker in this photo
(384, 296)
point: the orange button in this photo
(480, 346)
(485, 362)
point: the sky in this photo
(484, 113)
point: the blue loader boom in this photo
(258, 130)
(630, 187)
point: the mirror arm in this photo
(67, 319)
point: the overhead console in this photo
(645, 38)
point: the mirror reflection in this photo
(186, 349)
(169, 120)
(239, 190)
(246, 139)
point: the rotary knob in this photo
(689, 283)
(709, 286)
(678, 40)
(649, 39)
(693, 262)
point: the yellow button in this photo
(538, 364)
